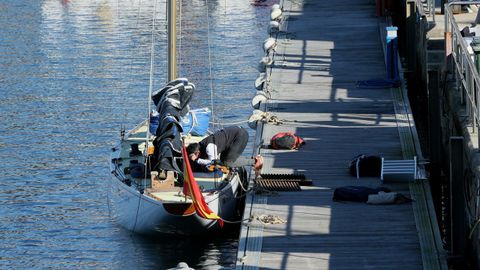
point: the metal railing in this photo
(422, 7)
(428, 7)
(468, 79)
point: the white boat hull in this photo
(142, 214)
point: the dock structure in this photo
(323, 50)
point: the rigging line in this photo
(134, 45)
(210, 78)
(138, 13)
(152, 50)
(210, 62)
(223, 77)
(150, 87)
(179, 58)
(138, 209)
(131, 36)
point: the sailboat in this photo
(152, 189)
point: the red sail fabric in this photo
(190, 188)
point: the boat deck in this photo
(208, 182)
(313, 84)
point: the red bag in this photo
(286, 140)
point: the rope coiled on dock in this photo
(270, 219)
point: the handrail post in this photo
(475, 44)
(432, 9)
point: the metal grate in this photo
(282, 182)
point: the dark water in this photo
(71, 73)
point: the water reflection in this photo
(71, 74)
(168, 251)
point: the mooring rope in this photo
(265, 219)
(229, 123)
(235, 222)
(270, 219)
(241, 185)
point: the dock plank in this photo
(314, 94)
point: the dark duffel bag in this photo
(366, 166)
(355, 193)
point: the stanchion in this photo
(392, 49)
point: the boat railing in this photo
(462, 65)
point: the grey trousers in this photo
(242, 161)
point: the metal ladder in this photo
(403, 169)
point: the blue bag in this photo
(154, 122)
(196, 122)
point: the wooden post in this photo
(458, 233)
(435, 138)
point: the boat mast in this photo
(172, 39)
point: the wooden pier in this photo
(327, 47)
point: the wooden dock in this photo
(328, 47)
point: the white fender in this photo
(253, 119)
(276, 14)
(273, 27)
(264, 63)
(269, 44)
(258, 99)
(275, 6)
(256, 116)
(260, 81)
(258, 112)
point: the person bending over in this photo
(225, 145)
